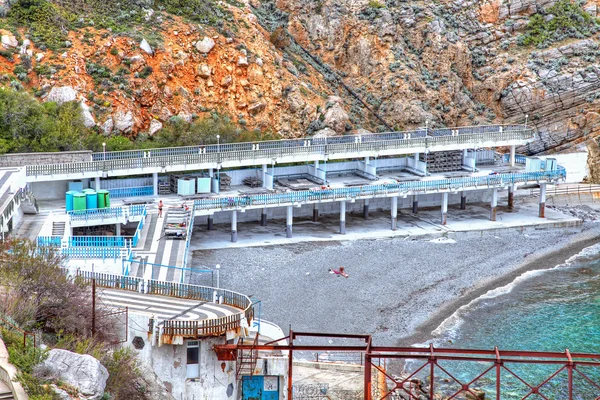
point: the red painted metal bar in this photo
(570, 371)
(431, 357)
(368, 371)
(498, 365)
(431, 371)
(290, 365)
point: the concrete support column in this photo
(264, 175)
(464, 157)
(512, 155)
(511, 197)
(316, 165)
(118, 230)
(154, 183)
(416, 157)
(494, 204)
(210, 223)
(444, 207)
(234, 226)
(263, 217)
(463, 201)
(415, 207)
(366, 160)
(315, 212)
(542, 200)
(343, 217)
(211, 173)
(97, 185)
(366, 209)
(394, 213)
(288, 221)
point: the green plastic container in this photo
(79, 202)
(103, 198)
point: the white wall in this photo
(574, 163)
(169, 363)
(49, 190)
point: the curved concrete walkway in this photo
(164, 307)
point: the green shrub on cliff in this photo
(27, 125)
(46, 22)
(562, 20)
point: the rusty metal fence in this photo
(428, 373)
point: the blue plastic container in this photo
(91, 199)
(69, 199)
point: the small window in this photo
(193, 359)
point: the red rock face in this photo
(448, 62)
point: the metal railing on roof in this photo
(192, 328)
(303, 142)
(368, 191)
(323, 147)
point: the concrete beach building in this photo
(100, 211)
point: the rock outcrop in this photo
(80, 371)
(62, 94)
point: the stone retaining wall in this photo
(22, 159)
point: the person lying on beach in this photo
(340, 272)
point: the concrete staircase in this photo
(5, 393)
(58, 228)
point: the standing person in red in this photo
(160, 206)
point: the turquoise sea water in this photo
(549, 310)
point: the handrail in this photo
(258, 152)
(4, 321)
(188, 238)
(104, 213)
(373, 190)
(302, 142)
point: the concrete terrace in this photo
(425, 223)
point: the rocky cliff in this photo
(330, 66)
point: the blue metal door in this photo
(260, 387)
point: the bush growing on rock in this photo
(562, 20)
(279, 38)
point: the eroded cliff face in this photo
(455, 63)
(128, 87)
(350, 65)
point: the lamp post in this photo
(218, 269)
(218, 143)
(526, 118)
(103, 151)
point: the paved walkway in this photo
(426, 222)
(158, 257)
(164, 307)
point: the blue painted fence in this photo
(373, 190)
(92, 252)
(131, 192)
(49, 241)
(106, 213)
(99, 241)
(519, 158)
(96, 213)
